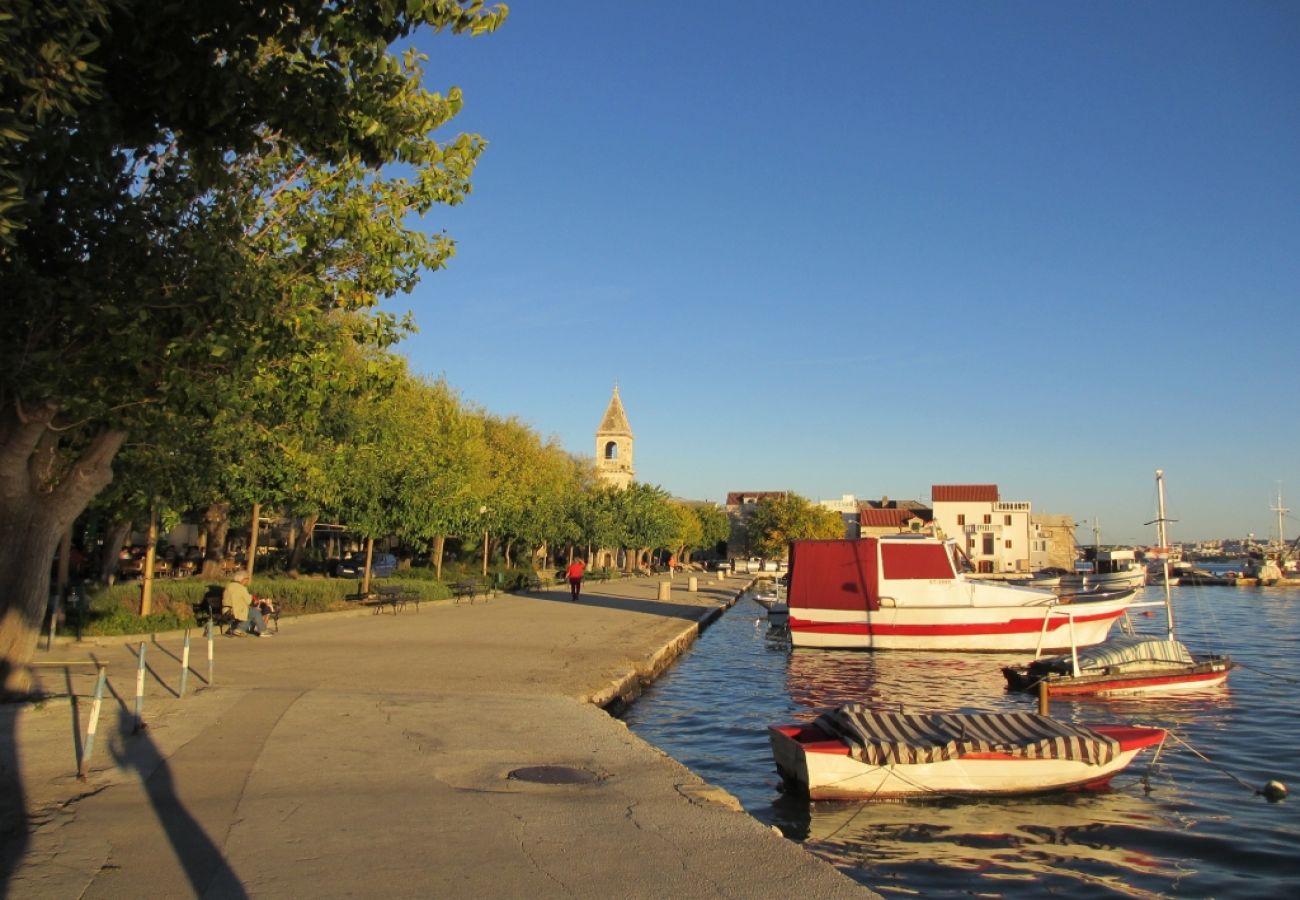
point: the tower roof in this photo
(615, 420)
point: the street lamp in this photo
(482, 511)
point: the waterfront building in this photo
(994, 533)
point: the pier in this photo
(461, 750)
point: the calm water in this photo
(1185, 829)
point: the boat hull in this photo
(1201, 676)
(983, 629)
(821, 765)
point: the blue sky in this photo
(870, 247)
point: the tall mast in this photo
(1281, 516)
(1164, 545)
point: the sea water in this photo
(1191, 826)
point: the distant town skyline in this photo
(1048, 246)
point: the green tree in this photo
(779, 520)
(179, 187)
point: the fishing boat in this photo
(906, 592)
(1111, 570)
(771, 596)
(861, 752)
(1125, 664)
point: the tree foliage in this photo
(777, 521)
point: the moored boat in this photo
(858, 752)
(905, 592)
(1111, 570)
(1126, 664)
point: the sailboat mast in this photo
(1164, 546)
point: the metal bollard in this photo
(83, 765)
(139, 691)
(185, 663)
(692, 585)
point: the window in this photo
(1008, 544)
(961, 519)
(988, 519)
(611, 450)
(1006, 520)
(988, 545)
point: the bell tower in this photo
(614, 445)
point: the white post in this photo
(665, 590)
(692, 585)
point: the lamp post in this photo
(482, 511)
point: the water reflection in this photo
(1053, 843)
(817, 679)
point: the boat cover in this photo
(1126, 650)
(882, 737)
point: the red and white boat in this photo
(858, 752)
(1125, 664)
(906, 592)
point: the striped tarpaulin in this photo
(880, 737)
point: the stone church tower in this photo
(614, 445)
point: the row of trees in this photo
(401, 456)
(201, 205)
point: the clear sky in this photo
(869, 247)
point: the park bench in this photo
(395, 597)
(464, 589)
(212, 609)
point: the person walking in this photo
(576, 570)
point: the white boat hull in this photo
(827, 771)
(956, 628)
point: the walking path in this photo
(372, 755)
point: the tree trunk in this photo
(300, 548)
(216, 522)
(65, 554)
(370, 555)
(39, 500)
(113, 544)
(146, 574)
(439, 544)
(252, 538)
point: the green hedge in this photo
(112, 609)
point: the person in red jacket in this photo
(577, 569)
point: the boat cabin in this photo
(865, 574)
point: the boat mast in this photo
(1164, 545)
(1281, 516)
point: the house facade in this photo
(994, 533)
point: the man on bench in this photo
(247, 612)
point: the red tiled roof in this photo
(886, 517)
(964, 493)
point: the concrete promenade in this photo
(370, 755)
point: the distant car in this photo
(720, 565)
(353, 565)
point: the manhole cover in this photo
(553, 775)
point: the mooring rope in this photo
(1205, 758)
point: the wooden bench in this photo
(464, 589)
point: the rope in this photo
(1268, 672)
(1205, 758)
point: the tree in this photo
(777, 521)
(177, 185)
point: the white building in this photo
(995, 534)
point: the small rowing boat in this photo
(858, 752)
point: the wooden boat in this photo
(858, 752)
(905, 592)
(1125, 664)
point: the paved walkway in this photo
(371, 755)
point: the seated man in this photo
(248, 615)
